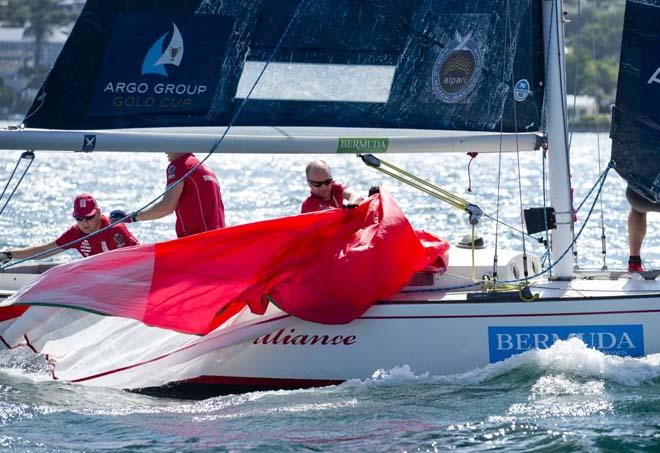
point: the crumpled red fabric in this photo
(325, 267)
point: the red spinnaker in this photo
(327, 267)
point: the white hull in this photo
(441, 334)
(433, 332)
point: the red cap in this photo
(84, 205)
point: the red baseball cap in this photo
(84, 205)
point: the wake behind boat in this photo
(428, 70)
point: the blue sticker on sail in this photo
(457, 69)
(89, 143)
(521, 90)
(622, 340)
(171, 67)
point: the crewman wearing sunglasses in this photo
(326, 193)
(88, 220)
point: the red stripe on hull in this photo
(282, 383)
(203, 387)
(518, 315)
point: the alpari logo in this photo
(457, 69)
(157, 57)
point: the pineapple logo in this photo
(457, 70)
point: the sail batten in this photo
(386, 64)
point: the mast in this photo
(558, 160)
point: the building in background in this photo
(584, 106)
(19, 78)
(17, 61)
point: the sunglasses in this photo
(89, 217)
(327, 182)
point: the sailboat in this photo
(407, 77)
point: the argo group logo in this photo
(156, 58)
(154, 72)
(457, 69)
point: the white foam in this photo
(571, 357)
(25, 365)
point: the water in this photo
(567, 398)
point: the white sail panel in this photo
(316, 82)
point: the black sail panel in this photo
(416, 64)
(636, 115)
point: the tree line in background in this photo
(40, 18)
(593, 43)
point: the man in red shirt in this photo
(326, 193)
(88, 220)
(196, 200)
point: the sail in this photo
(636, 115)
(313, 266)
(402, 64)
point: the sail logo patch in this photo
(521, 90)
(89, 143)
(362, 145)
(621, 340)
(156, 58)
(147, 72)
(655, 78)
(457, 70)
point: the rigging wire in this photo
(435, 191)
(193, 169)
(603, 236)
(577, 65)
(562, 94)
(575, 92)
(29, 155)
(547, 66)
(600, 182)
(472, 157)
(515, 125)
(543, 128)
(544, 182)
(499, 166)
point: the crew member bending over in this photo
(88, 220)
(196, 200)
(326, 193)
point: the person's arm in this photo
(351, 197)
(164, 207)
(27, 252)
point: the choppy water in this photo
(567, 398)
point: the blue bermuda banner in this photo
(622, 340)
(170, 66)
